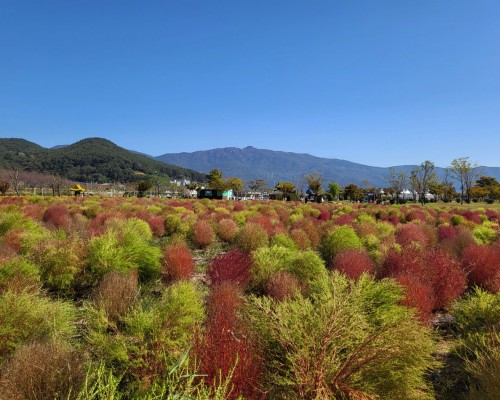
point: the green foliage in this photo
(343, 342)
(251, 237)
(126, 245)
(478, 324)
(27, 316)
(59, 260)
(282, 240)
(307, 266)
(18, 274)
(340, 238)
(266, 262)
(484, 234)
(477, 316)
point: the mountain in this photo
(274, 166)
(93, 159)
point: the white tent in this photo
(406, 195)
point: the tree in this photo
(160, 184)
(397, 181)
(466, 173)
(4, 186)
(422, 177)
(334, 190)
(234, 183)
(353, 192)
(215, 181)
(286, 188)
(142, 187)
(256, 184)
(314, 182)
(486, 186)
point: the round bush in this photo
(340, 238)
(353, 263)
(251, 237)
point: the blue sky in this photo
(377, 82)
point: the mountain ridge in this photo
(273, 166)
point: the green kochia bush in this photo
(340, 238)
(125, 245)
(27, 316)
(347, 340)
(150, 337)
(306, 266)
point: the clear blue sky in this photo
(377, 82)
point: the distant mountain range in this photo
(100, 160)
(275, 166)
(94, 159)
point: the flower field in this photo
(119, 298)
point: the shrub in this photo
(307, 266)
(178, 262)
(157, 225)
(338, 344)
(353, 263)
(447, 232)
(266, 262)
(171, 223)
(202, 234)
(26, 316)
(282, 285)
(19, 275)
(340, 238)
(59, 260)
(116, 293)
(126, 245)
(448, 280)
(410, 234)
(57, 216)
(232, 266)
(227, 229)
(481, 264)
(299, 236)
(484, 235)
(251, 237)
(226, 348)
(310, 227)
(419, 295)
(42, 371)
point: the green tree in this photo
(256, 184)
(215, 180)
(353, 192)
(334, 190)
(142, 187)
(466, 173)
(314, 183)
(488, 186)
(286, 188)
(234, 183)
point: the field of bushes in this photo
(118, 298)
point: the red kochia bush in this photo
(226, 344)
(57, 215)
(447, 278)
(482, 264)
(232, 266)
(418, 295)
(447, 232)
(283, 284)
(203, 234)
(157, 225)
(410, 234)
(177, 262)
(324, 215)
(353, 263)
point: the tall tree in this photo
(215, 180)
(421, 179)
(256, 184)
(314, 183)
(466, 173)
(234, 183)
(353, 192)
(397, 180)
(286, 188)
(334, 190)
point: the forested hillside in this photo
(93, 159)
